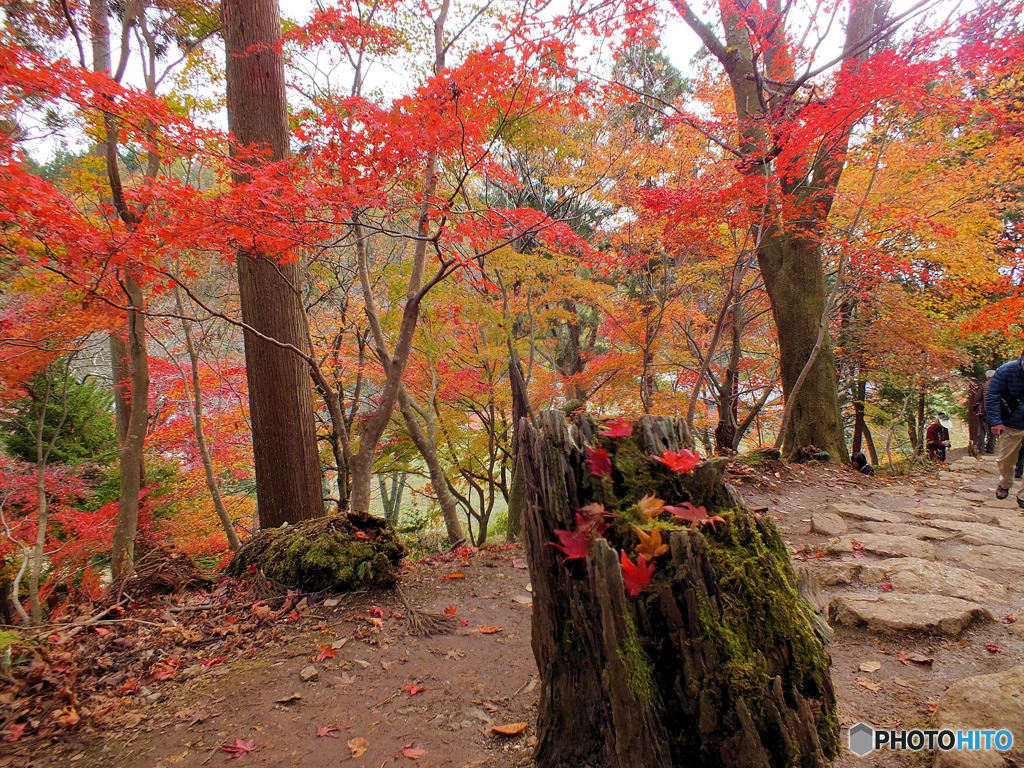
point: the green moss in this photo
(632, 473)
(328, 553)
(7, 639)
(637, 663)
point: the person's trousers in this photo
(1007, 447)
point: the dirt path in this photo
(944, 546)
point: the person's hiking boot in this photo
(1020, 501)
(1002, 493)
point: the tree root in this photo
(423, 623)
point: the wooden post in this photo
(715, 663)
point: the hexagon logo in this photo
(862, 739)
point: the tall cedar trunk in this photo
(426, 444)
(287, 464)
(716, 663)
(123, 551)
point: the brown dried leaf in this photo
(509, 729)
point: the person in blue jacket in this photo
(1004, 407)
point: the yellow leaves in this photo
(651, 506)
(650, 545)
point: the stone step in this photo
(904, 529)
(883, 545)
(853, 511)
(911, 574)
(894, 613)
(982, 702)
(989, 556)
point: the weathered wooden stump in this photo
(714, 663)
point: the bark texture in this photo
(715, 663)
(288, 486)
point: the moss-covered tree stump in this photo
(715, 662)
(337, 553)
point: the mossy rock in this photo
(337, 553)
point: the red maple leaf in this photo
(325, 652)
(885, 586)
(574, 544)
(412, 689)
(240, 748)
(617, 428)
(694, 515)
(450, 610)
(330, 731)
(600, 462)
(993, 648)
(635, 576)
(683, 461)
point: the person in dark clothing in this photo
(990, 439)
(937, 437)
(1018, 471)
(860, 463)
(1004, 408)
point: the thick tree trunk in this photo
(123, 550)
(288, 486)
(795, 284)
(715, 663)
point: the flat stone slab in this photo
(980, 533)
(895, 613)
(853, 511)
(991, 557)
(832, 572)
(904, 529)
(966, 464)
(828, 524)
(949, 513)
(983, 702)
(911, 574)
(884, 545)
